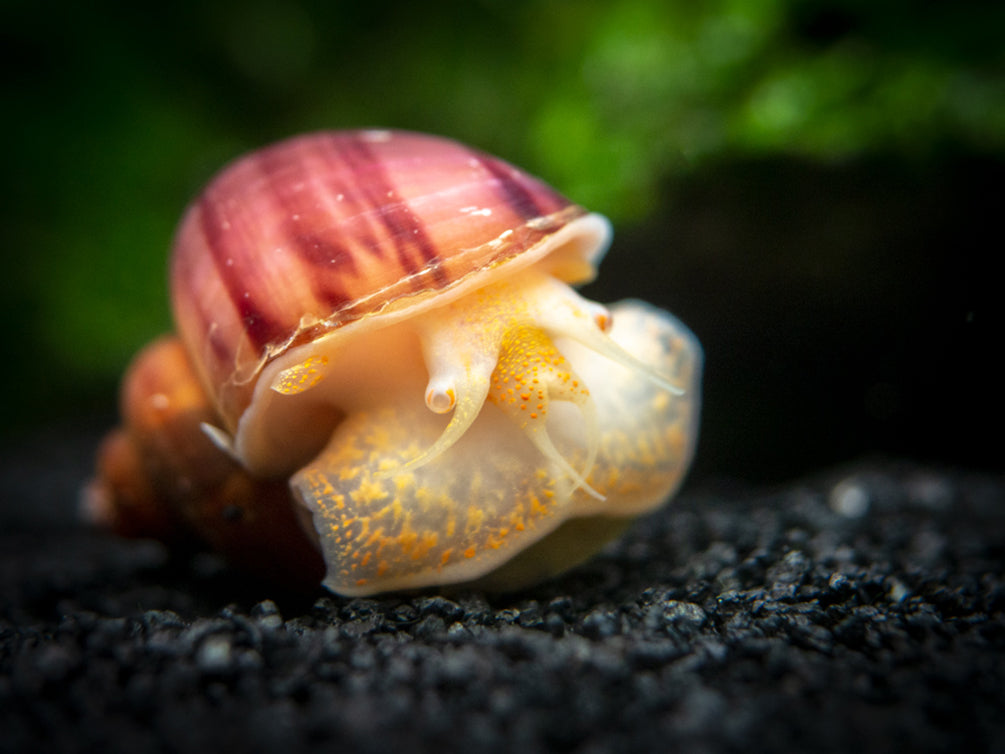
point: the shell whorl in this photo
(318, 231)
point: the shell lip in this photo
(594, 232)
(573, 223)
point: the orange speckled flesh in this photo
(492, 494)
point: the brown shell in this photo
(160, 476)
(315, 232)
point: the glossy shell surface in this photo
(312, 233)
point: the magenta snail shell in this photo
(323, 229)
(385, 320)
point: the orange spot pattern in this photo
(530, 370)
(381, 527)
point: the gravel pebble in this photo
(858, 611)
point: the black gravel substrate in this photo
(860, 611)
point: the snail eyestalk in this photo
(526, 375)
(499, 348)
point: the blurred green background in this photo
(805, 183)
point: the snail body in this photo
(378, 337)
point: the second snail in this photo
(383, 379)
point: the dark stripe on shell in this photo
(511, 190)
(300, 219)
(259, 328)
(360, 230)
(402, 226)
(185, 277)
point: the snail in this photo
(383, 376)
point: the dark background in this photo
(813, 187)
